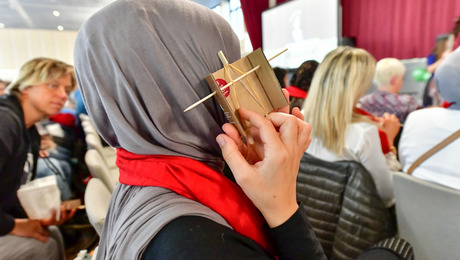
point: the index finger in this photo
(266, 128)
(288, 128)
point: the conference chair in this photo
(97, 199)
(428, 216)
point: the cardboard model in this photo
(249, 83)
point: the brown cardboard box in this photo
(259, 91)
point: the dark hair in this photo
(304, 74)
(280, 75)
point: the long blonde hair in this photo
(38, 71)
(340, 81)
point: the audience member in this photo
(443, 47)
(57, 159)
(300, 83)
(389, 74)
(39, 91)
(281, 75)
(173, 201)
(340, 132)
(426, 128)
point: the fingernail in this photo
(220, 140)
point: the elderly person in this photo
(389, 74)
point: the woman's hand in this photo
(269, 180)
(254, 152)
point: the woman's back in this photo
(361, 144)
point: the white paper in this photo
(40, 197)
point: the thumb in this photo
(231, 153)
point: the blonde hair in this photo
(339, 82)
(386, 69)
(38, 71)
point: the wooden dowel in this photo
(222, 58)
(278, 54)
(199, 102)
(225, 62)
(240, 77)
(223, 88)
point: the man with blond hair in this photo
(40, 90)
(389, 74)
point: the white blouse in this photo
(362, 144)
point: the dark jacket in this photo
(343, 206)
(15, 142)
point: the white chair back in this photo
(428, 217)
(99, 169)
(97, 199)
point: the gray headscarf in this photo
(140, 63)
(447, 78)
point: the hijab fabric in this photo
(140, 63)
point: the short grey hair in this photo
(386, 69)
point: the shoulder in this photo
(361, 128)
(11, 124)
(359, 135)
(194, 237)
(369, 98)
(426, 114)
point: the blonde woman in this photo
(339, 130)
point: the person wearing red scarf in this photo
(139, 64)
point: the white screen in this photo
(308, 28)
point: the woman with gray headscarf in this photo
(139, 63)
(427, 127)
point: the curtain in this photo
(252, 12)
(398, 28)
(386, 28)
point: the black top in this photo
(15, 142)
(192, 237)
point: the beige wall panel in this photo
(18, 46)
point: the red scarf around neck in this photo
(196, 181)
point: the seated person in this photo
(40, 90)
(389, 74)
(427, 127)
(339, 131)
(173, 200)
(55, 159)
(300, 83)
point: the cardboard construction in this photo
(259, 91)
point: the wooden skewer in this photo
(231, 83)
(278, 54)
(223, 88)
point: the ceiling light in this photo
(56, 13)
(60, 28)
